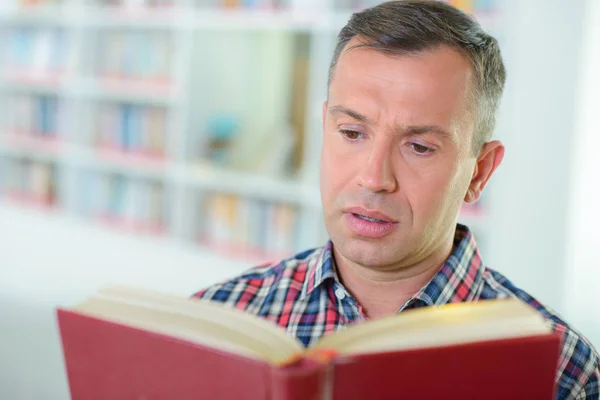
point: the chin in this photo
(366, 252)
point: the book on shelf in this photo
(246, 227)
(133, 129)
(132, 204)
(299, 98)
(28, 182)
(125, 343)
(38, 117)
(36, 53)
(130, 55)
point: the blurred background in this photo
(171, 144)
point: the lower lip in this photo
(369, 229)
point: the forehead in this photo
(436, 80)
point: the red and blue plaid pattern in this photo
(304, 296)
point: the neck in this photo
(381, 292)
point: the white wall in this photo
(529, 199)
(582, 283)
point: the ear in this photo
(324, 114)
(489, 159)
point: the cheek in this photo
(432, 190)
(330, 175)
(336, 171)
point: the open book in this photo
(126, 343)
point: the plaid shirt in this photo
(304, 296)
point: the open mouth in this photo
(367, 225)
(369, 219)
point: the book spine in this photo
(133, 55)
(248, 226)
(302, 380)
(35, 116)
(29, 182)
(126, 125)
(44, 126)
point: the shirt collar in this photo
(320, 269)
(459, 279)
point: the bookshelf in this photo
(192, 121)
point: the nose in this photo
(377, 175)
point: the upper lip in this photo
(370, 213)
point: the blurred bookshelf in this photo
(196, 121)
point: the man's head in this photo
(410, 27)
(413, 92)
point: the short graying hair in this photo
(411, 26)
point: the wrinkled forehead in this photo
(440, 73)
(361, 56)
(432, 86)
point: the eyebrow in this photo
(406, 129)
(351, 113)
(422, 129)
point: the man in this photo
(413, 92)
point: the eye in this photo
(420, 149)
(351, 135)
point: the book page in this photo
(438, 326)
(199, 321)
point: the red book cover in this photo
(107, 360)
(521, 368)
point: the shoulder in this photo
(578, 373)
(253, 289)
